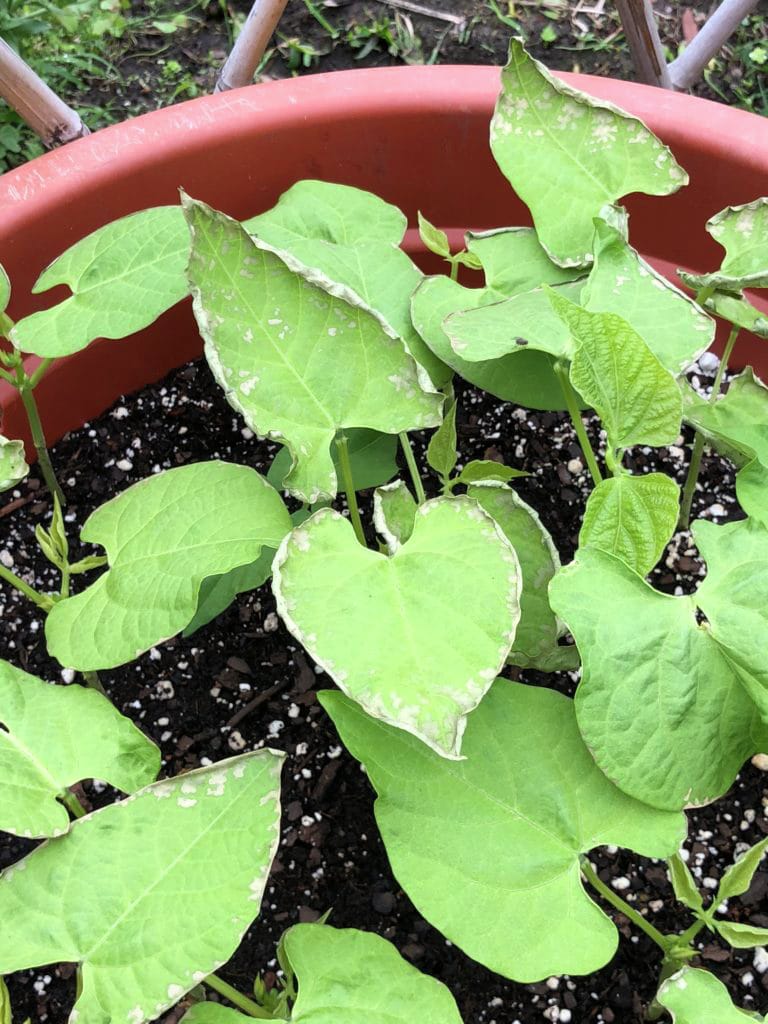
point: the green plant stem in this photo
(92, 680)
(572, 404)
(703, 294)
(413, 469)
(72, 804)
(662, 941)
(687, 937)
(38, 438)
(698, 445)
(237, 998)
(41, 600)
(39, 373)
(349, 488)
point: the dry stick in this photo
(47, 115)
(427, 12)
(699, 52)
(645, 46)
(241, 64)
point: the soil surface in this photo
(242, 682)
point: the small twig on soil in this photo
(257, 701)
(427, 12)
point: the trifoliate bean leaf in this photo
(660, 705)
(538, 629)
(372, 457)
(54, 736)
(683, 883)
(531, 790)
(441, 450)
(738, 878)
(13, 466)
(218, 592)
(486, 469)
(569, 156)
(672, 325)
(352, 238)
(743, 233)
(525, 377)
(394, 514)
(297, 355)
(693, 996)
(741, 936)
(740, 312)
(433, 238)
(122, 277)
(389, 631)
(736, 424)
(347, 976)
(632, 517)
(163, 537)
(188, 860)
(5, 289)
(617, 374)
(513, 261)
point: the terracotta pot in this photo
(416, 136)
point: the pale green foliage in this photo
(479, 470)
(213, 1013)
(441, 450)
(618, 375)
(54, 736)
(740, 312)
(298, 356)
(122, 277)
(347, 976)
(736, 424)
(569, 156)
(683, 883)
(218, 592)
(371, 456)
(5, 1004)
(513, 261)
(13, 466)
(433, 238)
(537, 633)
(741, 936)
(738, 878)
(671, 324)
(394, 514)
(632, 517)
(187, 861)
(743, 233)
(5, 289)
(390, 631)
(693, 996)
(500, 858)
(163, 537)
(352, 238)
(661, 705)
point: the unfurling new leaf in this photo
(13, 467)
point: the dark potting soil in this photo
(242, 682)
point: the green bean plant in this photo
(492, 792)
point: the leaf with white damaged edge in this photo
(54, 736)
(299, 356)
(13, 466)
(188, 861)
(122, 277)
(632, 517)
(693, 996)
(163, 537)
(501, 899)
(394, 513)
(569, 155)
(539, 629)
(637, 399)
(743, 233)
(352, 237)
(662, 708)
(672, 325)
(389, 631)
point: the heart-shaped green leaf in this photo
(501, 900)
(538, 630)
(394, 514)
(149, 895)
(352, 238)
(569, 156)
(513, 261)
(372, 457)
(122, 277)
(163, 537)
(632, 517)
(54, 736)
(752, 490)
(672, 325)
(299, 356)
(743, 233)
(693, 996)
(736, 424)
(13, 467)
(660, 705)
(389, 630)
(617, 374)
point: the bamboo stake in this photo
(645, 46)
(240, 65)
(47, 115)
(711, 37)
